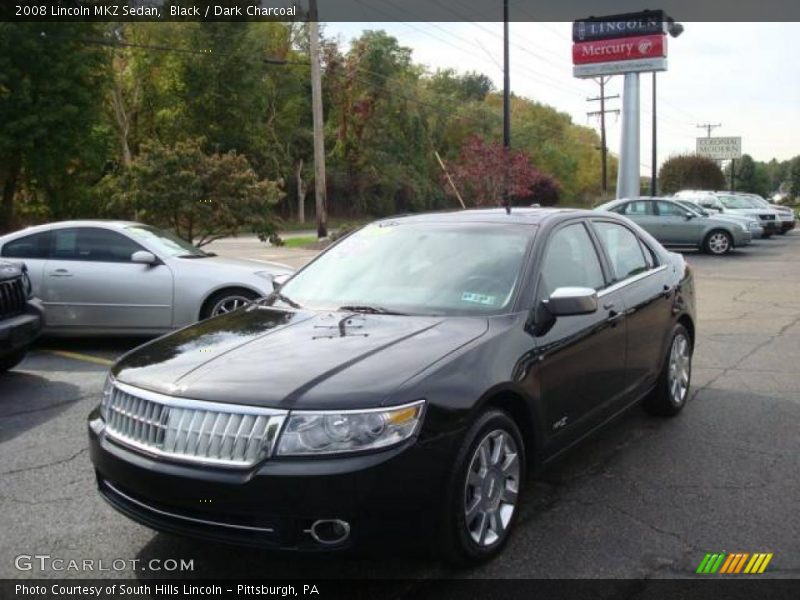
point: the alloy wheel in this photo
(680, 365)
(492, 488)
(229, 304)
(719, 243)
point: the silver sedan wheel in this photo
(719, 243)
(680, 368)
(492, 488)
(229, 304)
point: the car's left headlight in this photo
(322, 432)
(753, 224)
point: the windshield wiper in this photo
(366, 308)
(276, 295)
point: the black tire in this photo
(210, 305)
(663, 400)
(783, 232)
(718, 242)
(456, 543)
(12, 360)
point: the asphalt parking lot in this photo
(644, 498)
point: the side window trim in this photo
(78, 230)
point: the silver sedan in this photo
(122, 278)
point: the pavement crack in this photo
(46, 465)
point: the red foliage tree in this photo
(481, 170)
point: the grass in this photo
(299, 242)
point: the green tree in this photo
(51, 90)
(794, 177)
(200, 196)
(690, 171)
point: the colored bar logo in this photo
(734, 563)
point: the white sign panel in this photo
(619, 67)
(720, 148)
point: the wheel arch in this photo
(222, 288)
(518, 408)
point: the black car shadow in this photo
(29, 400)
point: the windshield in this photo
(416, 268)
(164, 242)
(737, 202)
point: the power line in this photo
(708, 127)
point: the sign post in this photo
(625, 44)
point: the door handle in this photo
(667, 291)
(60, 273)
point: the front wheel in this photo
(225, 301)
(672, 388)
(718, 242)
(483, 499)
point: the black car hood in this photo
(269, 357)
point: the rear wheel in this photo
(482, 502)
(718, 242)
(12, 360)
(225, 301)
(669, 396)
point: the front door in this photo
(90, 281)
(583, 356)
(676, 226)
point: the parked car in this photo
(674, 225)
(404, 382)
(752, 224)
(785, 213)
(730, 204)
(20, 315)
(119, 277)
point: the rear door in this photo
(642, 213)
(641, 283)
(32, 251)
(90, 281)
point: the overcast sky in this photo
(744, 76)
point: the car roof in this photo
(107, 223)
(517, 215)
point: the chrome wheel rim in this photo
(718, 243)
(680, 365)
(492, 488)
(229, 304)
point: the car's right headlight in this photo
(308, 433)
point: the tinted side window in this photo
(623, 249)
(30, 246)
(649, 255)
(668, 209)
(570, 260)
(639, 207)
(92, 244)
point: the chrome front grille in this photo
(190, 430)
(12, 297)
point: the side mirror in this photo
(279, 280)
(567, 301)
(563, 302)
(144, 257)
(688, 216)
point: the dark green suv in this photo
(21, 316)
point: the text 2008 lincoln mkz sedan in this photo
(407, 380)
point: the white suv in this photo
(725, 202)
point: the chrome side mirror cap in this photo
(144, 257)
(279, 280)
(567, 301)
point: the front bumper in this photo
(20, 331)
(393, 492)
(742, 238)
(788, 225)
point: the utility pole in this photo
(319, 130)
(602, 114)
(708, 127)
(506, 109)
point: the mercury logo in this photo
(645, 46)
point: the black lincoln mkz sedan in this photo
(407, 380)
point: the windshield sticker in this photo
(478, 298)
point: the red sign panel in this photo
(629, 48)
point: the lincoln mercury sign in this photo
(618, 44)
(720, 148)
(616, 26)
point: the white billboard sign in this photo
(720, 148)
(619, 67)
